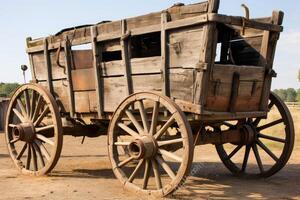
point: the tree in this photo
(7, 88)
(299, 75)
(281, 93)
(298, 95)
(291, 95)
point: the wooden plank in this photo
(125, 57)
(68, 68)
(97, 70)
(238, 21)
(148, 65)
(184, 46)
(84, 79)
(164, 54)
(48, 66)
(82, 59)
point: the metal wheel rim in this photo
(286, 151)
(184, 168)
(41, 159)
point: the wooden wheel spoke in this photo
(12, 125)
(246, 157)
(165, 127)
(146, 174)
(19, 115)
(166, 167)
(22, 108)
(32, 104)
(37, 108)
(156, 174)
(27, 102)
(39, 154)
(125, 162)
(271, 104)
(22, 151)
(170, 155)
(41, 117)
(35, 165)
(267, 150)
(256, 121)
(44, 128)
(122, 143)
(14, 140)
(271, 138)
(154, 118)
(167, 142)
(137, 168)
(28, 157)
(135, 122)
(43, 149)
(128, 130)
(143, 116)
(234, 152)
(44, 139)
(257, 157)
(270, 124)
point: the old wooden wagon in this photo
(157, 85)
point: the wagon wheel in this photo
(142, 122)
(33, 130)
(269, 142)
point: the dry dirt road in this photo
(83, 172)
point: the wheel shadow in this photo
(214, 181)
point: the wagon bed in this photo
(157, 85)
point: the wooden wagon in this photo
(157, 85)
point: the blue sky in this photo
(36, 18)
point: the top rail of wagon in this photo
(85, 37)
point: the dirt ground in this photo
(83, 172)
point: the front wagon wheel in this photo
(269, 142)
(158, 140)
(33, 130)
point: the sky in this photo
(38, 18)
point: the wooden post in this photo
(125, 56)
(267, 52)
(207, 54)
(97, 60)
(164, 54)
(48, 66)
(68, 54)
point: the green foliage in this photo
(289, 95)
(299, 75)
(7, 88)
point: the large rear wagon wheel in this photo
(269, 142)
(33, 130)
(159, 142)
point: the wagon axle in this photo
(144, 147)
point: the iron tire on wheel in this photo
(33, 123)
(144, 133)
(285, 139)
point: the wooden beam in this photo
(48, 66)
(97, 55)
(32, 69)
(125, 56)
(68, 69)
(164, 54)
(267, 52)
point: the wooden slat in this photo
(164, 54)
(125, 57)
(48, 66)
(67, 50)
(97, 69)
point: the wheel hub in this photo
(249, 134)
(144, 147)
(24, 131)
